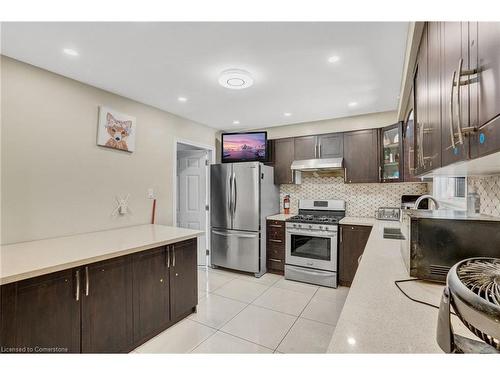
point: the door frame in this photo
(211, 159)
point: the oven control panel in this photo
(312, 227)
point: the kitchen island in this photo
(377, 317)
(100, 292)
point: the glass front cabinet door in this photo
(391, 164)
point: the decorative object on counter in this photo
(473, 291)
(388, 213)
(116, 130)
(121, 206)
(473, 202)
(286, 204)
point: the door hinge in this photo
(207, 207)
(207, 252)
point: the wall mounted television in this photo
(241, 147)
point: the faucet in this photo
(426, 196)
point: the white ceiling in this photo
(155, 63)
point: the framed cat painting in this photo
(116, 130)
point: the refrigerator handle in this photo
(230, 195)
(235, 194)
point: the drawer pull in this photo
(275, 260)
(276, 225)
(279, 241)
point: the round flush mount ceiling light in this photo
(235, 79)
(182, 99)
(70, 52)
(333, 59)
(236, 122)
(287, 114)
(352, 104)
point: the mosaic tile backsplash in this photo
(488, 188)
(361, 199)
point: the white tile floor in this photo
(241, 314)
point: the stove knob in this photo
(300, 226)
(295, 225)
(321, 227)
(310, 226)
(326, 228)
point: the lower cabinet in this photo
(353, 239)
(183, 278)
(151, 293)
(275, 246)
(105, 307)
(41, 314)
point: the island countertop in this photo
(377, 317)
(24, 260)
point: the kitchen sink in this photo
(393, 234)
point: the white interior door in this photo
(192, 195)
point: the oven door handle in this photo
(328, 235)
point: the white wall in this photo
(55, 180)
(368, 121)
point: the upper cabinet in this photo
(361, 156)
(391, 162)
(484, 46)
(456, 93)
(283, 158)
(319, 146)
(306, 148)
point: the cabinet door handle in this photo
(275, 225)
(319, 150)
(77, 290)
(173, 256)
(452, 131)
(275, 260)
(168, 256)
(459, 102)
(359, 259)
(341, 230)
(271, 240)
(87, 281)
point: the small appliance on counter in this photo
(311, 242)
(473, 291)
(388, 213)
(435, 240)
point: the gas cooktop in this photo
(314, 219)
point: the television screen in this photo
(238, 147)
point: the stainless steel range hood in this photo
(315, 165)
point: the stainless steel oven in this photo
(309, 246)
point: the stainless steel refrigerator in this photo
(242, 195)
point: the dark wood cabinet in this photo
(391, 155)
(361, 156)
(151, 288)
(306, 148)
(455, 113)
(104, 307)
(484, 46)
(275, 246)
(183, 278)
(283, 155)
(421, 107)
(331, 145)
(42, 312)
(353, 239)
(107, 306)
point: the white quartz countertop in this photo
(281, 217)
(377, 317)
(23, 260)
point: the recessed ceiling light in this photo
(70, 52)
(182, 99)
(287, 114)
(333, 59)
(352, 104)
(235, 79)
(236, 122)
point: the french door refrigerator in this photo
(242, 195)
